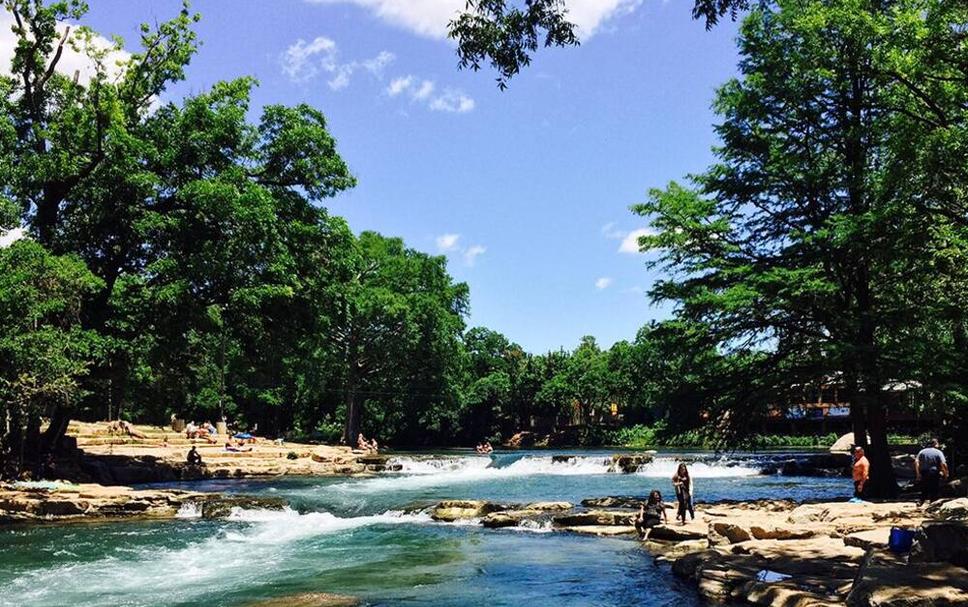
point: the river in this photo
(363, 537)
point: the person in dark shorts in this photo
(651, 514)
(194, 457)
(930, 467)
(861, 471)
(682, 481)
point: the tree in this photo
(44, 351)
(396, 323)
(798, 248)
(506, 36)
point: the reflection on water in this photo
(358, 536)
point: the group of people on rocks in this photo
(484, 448)
(370, 446)
(653, 511)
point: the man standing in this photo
(929, 468)
(862, 469)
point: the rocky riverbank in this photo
(776, 552)
(62, 502)
(100, 453)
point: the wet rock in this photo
(546, 506)
(594, 517)
(455, 510)
(562, 459)
(221, 506)
(614, 502)
(309, 599)
(600, 530)
(521, 440)
(628, 464)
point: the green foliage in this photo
(507, 36)
(45, 353)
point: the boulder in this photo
(843, 444)
(549, 506)
(951, 509)
(628, 464)
(903, 466)
(455, 510)
(220, 506)
(594, 517)
(942, 541)
(521, 440)
(679, 533)
(614, 502)
(733, 533)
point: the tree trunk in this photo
(352, 427)
(882, 481)
(55, 432)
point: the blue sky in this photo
(527, 190)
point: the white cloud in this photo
(399, 85)
(447, 242)
(71, 61)
(10, 236)
(472, 253)
(610, 231)
(630, 243)
(303, 61)
(430, 17)
(426, 88)
(452, 101)
(603, 283)
(422, 91)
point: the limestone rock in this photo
(309, 599)
(615, 501)
(874, 538)
(914, 585)
(629, 463)
(600, 530)
(942, 541)
(679, 533)
(594, 517)
(547, 506)
(454, 510)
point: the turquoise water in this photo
(361, 537)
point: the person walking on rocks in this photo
(682, 481)
(929, 468)
(862, 470)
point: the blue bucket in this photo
(901, 540)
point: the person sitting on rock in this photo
(488, 449)
(651, 514)
(191, 430)
(682, 481)
(366, 445)
(194, 457)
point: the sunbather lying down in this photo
(237, 448)
(123, 427)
